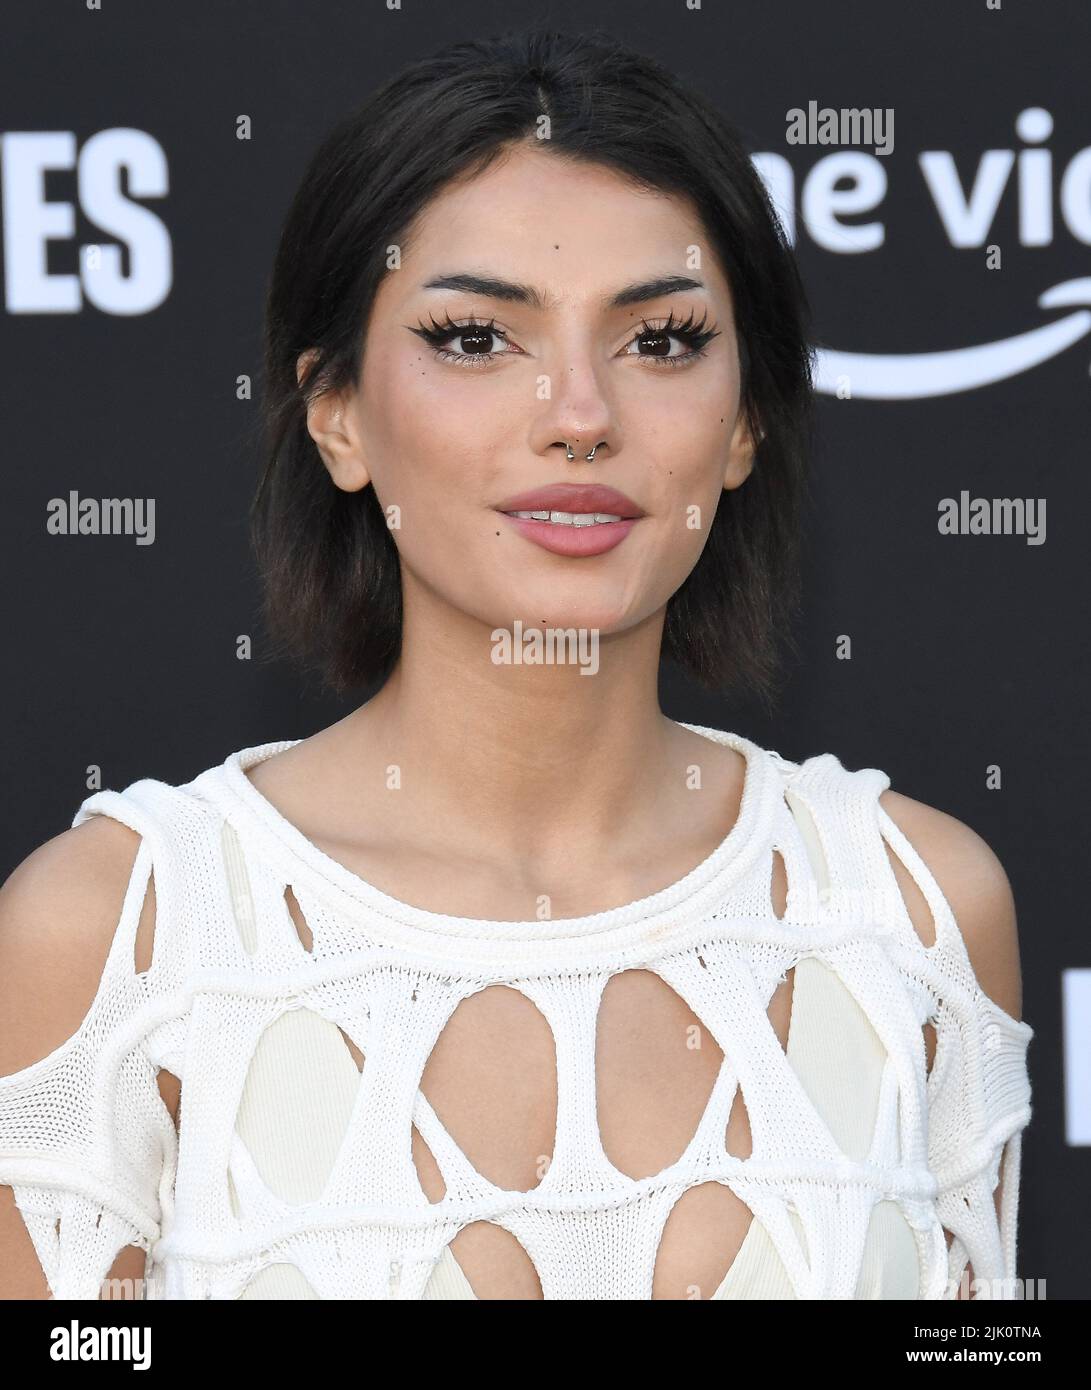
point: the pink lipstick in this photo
(575, 519)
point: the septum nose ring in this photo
(589, 457)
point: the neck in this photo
(512, 754)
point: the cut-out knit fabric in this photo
(300, 1087)
(235, 1005)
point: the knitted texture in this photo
(95, 1161)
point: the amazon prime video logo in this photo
(828, 125)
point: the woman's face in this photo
(453, 429)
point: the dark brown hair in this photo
(329, 566)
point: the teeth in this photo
(569, 518)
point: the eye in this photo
(653, 342)
(480, 343)
(477, 341)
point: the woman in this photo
(506, 985)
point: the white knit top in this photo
(291, 1175)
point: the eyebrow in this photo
(637, 293)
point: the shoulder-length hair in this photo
(329, 566)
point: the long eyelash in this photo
(439, 332)
(693, 333)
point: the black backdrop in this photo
(968, 651)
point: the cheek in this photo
(685, 437)
(712, 410)
(421, 430)
(427, 441)
(692, 407)
(688, 448)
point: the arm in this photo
(59, 911)
(976, 886)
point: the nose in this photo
(579, 416)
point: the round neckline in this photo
(703, 884)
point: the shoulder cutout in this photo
(59, 911)
(976, 887)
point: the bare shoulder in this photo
(976, 887)
(59, 910)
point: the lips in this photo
(588, 519)
(579, 498)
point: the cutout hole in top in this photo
(929, 1032)
(495, 1263)
(21, 1273)
(279, 1282)
(916, 904)
(354, 1051)
(429, 1173)
(144, 944)
(655, 1066)
(301, 1086)
(238, 882)
(778, 888)
(125, 1278)
(491, 1078)
(170, 1089)
(701, 1240)
(738, 1139)
(812, 841)
(779, 1011)
(303, 931)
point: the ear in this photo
(331, 424)
(741, 451)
